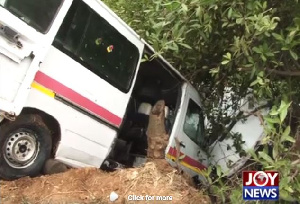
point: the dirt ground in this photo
(91, 185)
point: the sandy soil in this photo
(91, 185)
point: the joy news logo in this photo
(260, 185)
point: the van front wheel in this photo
(25, 146)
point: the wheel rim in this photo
(21, 149)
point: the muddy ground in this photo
(91, 185)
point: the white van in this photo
(73, 88)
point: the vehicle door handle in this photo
(182, 144)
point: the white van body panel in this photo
(19, 65)
(84, 141)
(58, 65)
(251, 131)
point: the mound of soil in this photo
(91, 185)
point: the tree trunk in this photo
(156, 132)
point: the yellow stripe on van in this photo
(43, 89)
(184, 164)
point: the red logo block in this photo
(260, 178)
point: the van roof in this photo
(165, 62)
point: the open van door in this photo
(189, 131)
(24, 41)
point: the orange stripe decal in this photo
(43, 89)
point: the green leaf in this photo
(209, 169)
(260, 81)
(274, 112)
(266, 157)
(274, 120)
(254, 83)
(173, 47)
(286, 135)
(184, 7)
(158, 25)
(286, 131)
(257, 50)
(185, 45)
(282, 105)
(292, 33)
(253, 154)
(269, 167)
(261, 74)
(284, 194)
(252, 73)
(283, 182)
(270, 54)
(283, 109)
(198, 11)
(277, 37)
(283, 114)
(288, 138)
(263, 58)
(209, 180)
(229, 12)
(289, 189)
(284, 48)
(275, 151)
(214, 70)
(294, 55)
(225, 62)
(228, 55)
(219, 171)
(264, 5)
(248, 65)
(239, 20)
(224, 24)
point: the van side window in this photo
(193, 125)
(92, 41)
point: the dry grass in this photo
(91, 185)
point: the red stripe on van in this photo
(187, 159)
(76, 98)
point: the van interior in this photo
(155, 81)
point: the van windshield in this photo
(37, 13)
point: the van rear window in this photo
(37, 13)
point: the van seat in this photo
(167, 112)
(145, 108)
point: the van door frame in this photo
(191, 154)
(38, 57)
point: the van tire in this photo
(26, 144)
